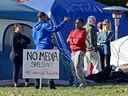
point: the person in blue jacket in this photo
(42, 32)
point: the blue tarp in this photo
(13, 15)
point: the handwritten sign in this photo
(41, 64)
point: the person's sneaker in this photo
(37, 87)
(15, 85)
(75, 85)
(26, 84)
(53, 87)
(82, 85)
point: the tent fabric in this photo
(13, 6)
(119, 51)
(40, 5)
(17, 15)
(10, 9)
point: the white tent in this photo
(119, 51)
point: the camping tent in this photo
(11, 12)
(119, 51)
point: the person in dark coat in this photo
(19, 42)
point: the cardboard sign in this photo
(41, 64)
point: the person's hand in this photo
(66, 19)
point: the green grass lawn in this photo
(95, 90)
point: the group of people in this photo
(89, 44)
(90, 47)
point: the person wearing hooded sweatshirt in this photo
(42, 32)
